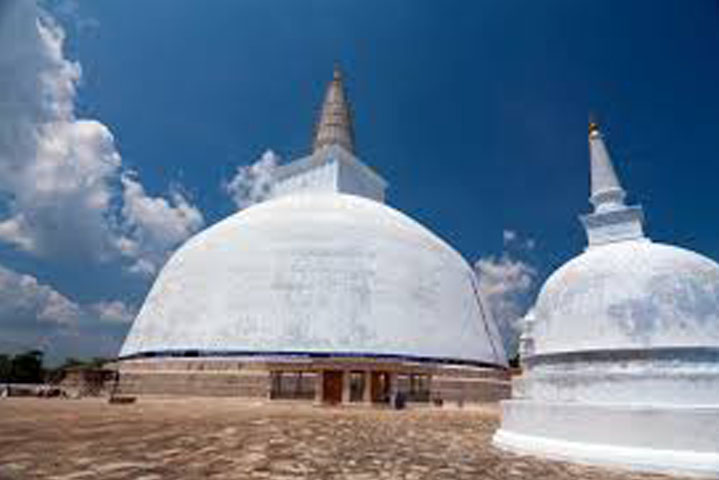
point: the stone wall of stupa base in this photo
(342, 380)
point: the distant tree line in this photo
(28, 367)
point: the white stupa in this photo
(324, 269)
(624, 366)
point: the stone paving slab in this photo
(157, 439)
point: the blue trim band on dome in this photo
(686, 354)
(189, 353)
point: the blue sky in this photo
(474, 111)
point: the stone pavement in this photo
(157, 439)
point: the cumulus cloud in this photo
(253, 183)
(22, 298)
(36, 316)
(509, 236)
(65, 195)
(512, 240)
(508, 284)
(63, 189)
(51, 166)
(113, 311)
(154, 225)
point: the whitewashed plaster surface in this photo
(630, 294)
(329, 169)
(670, 439)
(624, 365)
(318, 272)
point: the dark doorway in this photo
(292, 385)
(418, 390)
(380, 387)
(357, 385)
(332, 386)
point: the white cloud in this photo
(512, 240)
(154, 225)
(508, 285)
(113, 312)
(36, 316)
(509, 236)
(253, 183)
(22, 297)
(14, 230)
(65, 193)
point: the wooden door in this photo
(332, 386)
(380, 387)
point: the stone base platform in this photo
(680, 440)
(328, 380)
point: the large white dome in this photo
(631, 294)
(317, 273)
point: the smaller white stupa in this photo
(623, 366)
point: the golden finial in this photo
(593, 124)
(337, 72)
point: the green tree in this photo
(71, 362)
(27, 367)
(5, 367)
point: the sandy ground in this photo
(226, 439)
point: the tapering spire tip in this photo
(337, 72)
(334, 126)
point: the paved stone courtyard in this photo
(228, 439)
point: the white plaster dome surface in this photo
(322, 273)
(630, 294)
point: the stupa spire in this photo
(334, 126)
(612, 220)
(607, 192)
